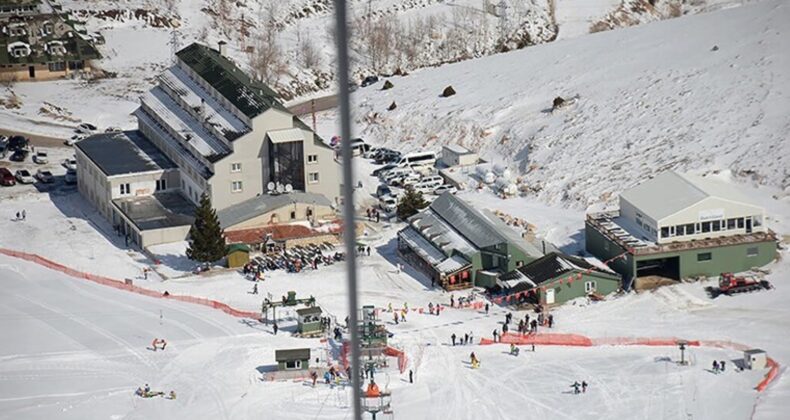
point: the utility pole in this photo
(312, 110)
(175, 44)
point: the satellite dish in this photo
(280, 188)
(270, 187)
(289, 188)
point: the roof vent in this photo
(223, 49)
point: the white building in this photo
(217, 132)
(676, 207)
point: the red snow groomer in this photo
(729, 284)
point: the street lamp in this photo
(682, 346)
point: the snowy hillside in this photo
(701, 93)
(290, 44)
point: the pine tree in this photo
(206, 239)
(411, 203)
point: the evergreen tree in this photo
(411, 203)
(206, 239)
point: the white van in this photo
(396, 173)
(418, 159)
(359, 147)
(428, 184)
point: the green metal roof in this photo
(237, 247)
(251, 97)
(291, 355)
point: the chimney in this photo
(223, 50)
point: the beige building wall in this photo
(93, 184)
(164, 236)
(21, 72)
(283, 215)
(143, 183)
(327, 168)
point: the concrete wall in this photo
(163, 236)
(283, 215)
(564, 292)
(639, 220)
(327, 167)
(724, 259)
(248, 151)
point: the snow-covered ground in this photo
(701, 93)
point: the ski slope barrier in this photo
(122, 285)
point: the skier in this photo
(534, 326)
(275, 328)
(24, 214)
(721, 365)
(389, 307)
(403, 316)
(452, 301)
(471, 338)
(715, 367)
(438, 309)
(430, 308)
(164, 344)
(452, 337)
(551, 321)
(395, 315)
(411, 377)
(255, 289)
(513, 349)
(466, 339)
(18, 217)
(504, 328)
(486, 308)
(172, 395)
(314, 377)
(576, 386)
(495, 335)
(526, 319)
(584, 386)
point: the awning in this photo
(453, 264)
(284, 136)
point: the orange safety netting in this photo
(118, 284)
(770, 376)
(403, 361)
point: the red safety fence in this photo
(542, 339)
(403, 361)
(770, 376)
(120, 284)
(643, 341)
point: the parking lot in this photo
(37, 161)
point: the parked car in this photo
(71, 176)
(41, 158)
(388, 204)
(409, 180)
(3, 149)
(446, 188)
(6, 178)
(19, 155)
(383, 190)
(378, 172)
(369, 81)
(86, 128)
(45, 176)
(24, 176)
(387, 157)
(394, 173)
(69, 163)
(428, 184)
(74, 139)
(17, 143)
(112, 130)
(359, 147)
(372, 150)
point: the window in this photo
(293, 214)
(705, 227)
(752, 251)
(730, 224)
(680, 230)
(308, 213)
(705, 256)
(740, 223)
(236, 186)
(689, 229)
(589, 286)
(125, 189)
(757, 221)
(639, 222)
(235, 167)
(312, 159)
(160, 184)
(665, 232)
(312, 177)
(293, 364)
(60, 66)
(716, 225)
